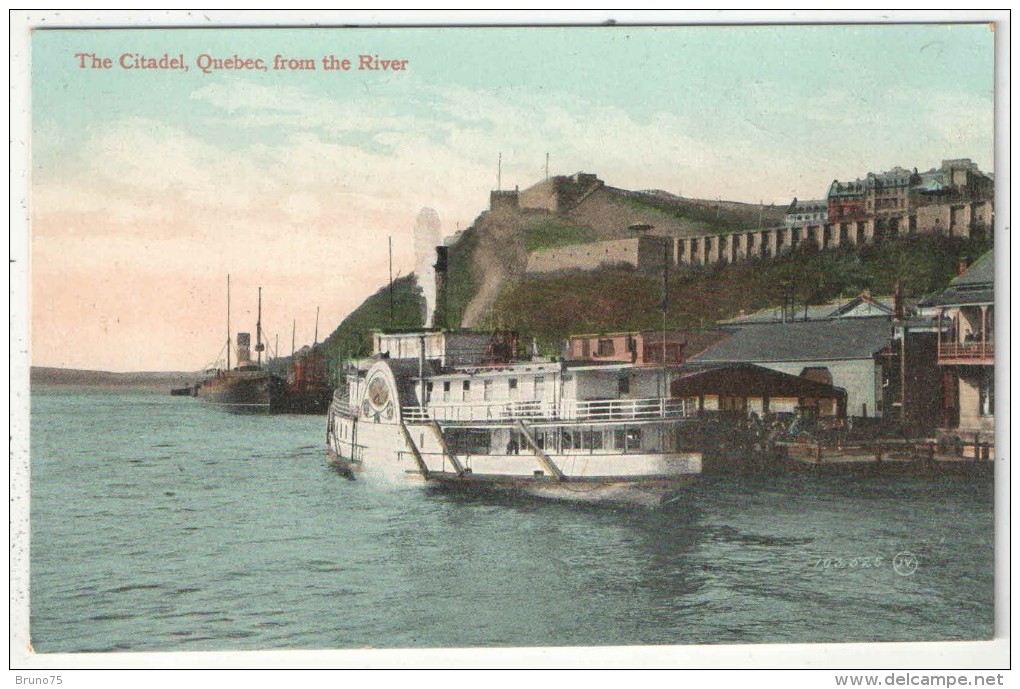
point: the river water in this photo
(161, 524)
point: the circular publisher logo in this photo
(905, 563)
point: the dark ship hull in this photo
(254, 391)
(310, 400)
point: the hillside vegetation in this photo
(547, 231)
(488, 287)
(353, 337)
(551, 306)
(709, 217)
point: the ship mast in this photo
(258, 331)
(228, 321)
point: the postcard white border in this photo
(990, 654)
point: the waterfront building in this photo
(965, 317)
(845, 353)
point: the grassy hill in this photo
(707, 216)
(551, 306)
(353, 337)
(544, 230)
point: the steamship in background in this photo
(463, 409)
(301, 386)
(248, 386)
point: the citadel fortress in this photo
(648, 230)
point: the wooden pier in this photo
(909, 457)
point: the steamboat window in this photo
(468, 441)
(512, 384)
(446, 391)
(466, 390)
(487, 390)
(573, 440)
(627, 439)
(428, 392)
(623, 384)
(539, 387)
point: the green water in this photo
(159, 523)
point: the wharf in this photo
(894, 457)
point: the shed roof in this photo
(826, 340)
(880, 307)
(975, 286)
(748, 380)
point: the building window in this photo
(623, 384)
(512, 384)
(606, 347)
(986, 393)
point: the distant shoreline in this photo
(48, 375)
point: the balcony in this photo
(973, 353)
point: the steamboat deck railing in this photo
(341, 405)
(535, 410)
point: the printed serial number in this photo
(848, 562)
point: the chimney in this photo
(441, 266)
(898, 301)
(962, 266)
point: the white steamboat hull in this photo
(383, 451)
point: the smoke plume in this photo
(427, 235)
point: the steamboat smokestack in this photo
(441, 269)
(243, 348)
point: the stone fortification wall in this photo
(588, 256)
(957, 220)
(644, 253)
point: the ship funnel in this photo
(243, 348)
(441, 270)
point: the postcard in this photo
(633, 337)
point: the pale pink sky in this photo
(149, 188)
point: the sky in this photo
(148, 186)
